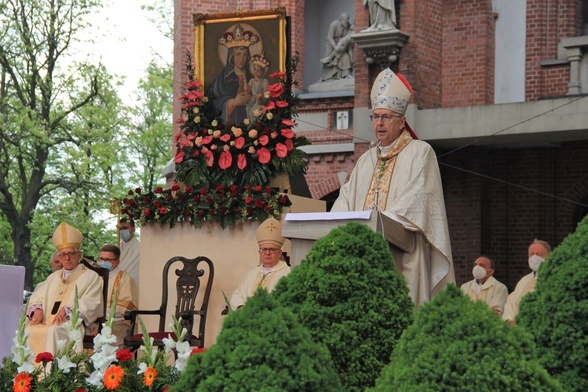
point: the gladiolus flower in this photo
(239, 142)
(22, 382)
(241, 161)
(113, 377)
(225, 160)
(209, 158)
(263, 140)
(281, 150)
(287, 133)
(275, 90)
(263, 155)
(149, 376)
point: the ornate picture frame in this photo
(262, 32)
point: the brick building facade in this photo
(513, 169)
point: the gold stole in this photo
(116, 287)
(383, 173)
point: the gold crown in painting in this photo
(261, 60)
(238, 37)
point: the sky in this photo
(125, 41)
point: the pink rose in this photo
(263, 155)
(263, 140)
(225, 160)
(281, 150)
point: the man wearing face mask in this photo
(485, 287)
(118, 281)
(538, 252)
(130, 247)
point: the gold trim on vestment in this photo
(383, 173)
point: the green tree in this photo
(57, 120)
(556, 313)
(261, 347)
(150, 135)
(456, 344)
(348, 293)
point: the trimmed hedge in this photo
(556, 313)
(456, 344)
(261, 347)
(348, 293)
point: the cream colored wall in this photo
(233, 252)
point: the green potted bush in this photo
(456, 344)
(348, 293)
(261, 347)
(556, 313)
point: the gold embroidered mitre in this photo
(391, 91)
(66, 236)
(270, 232)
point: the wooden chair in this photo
(188, 284)
(88, 341)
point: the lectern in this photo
(304, 229)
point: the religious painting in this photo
(234, 55)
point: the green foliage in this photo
(456, 344)
(261, 347)
(348, 293)
(556, 313)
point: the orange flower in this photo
(22, 382)
(113, 377)
(149, 376)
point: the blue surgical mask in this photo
(125, 235)
(105, 264)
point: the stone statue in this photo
(338, 62)
(382, 15)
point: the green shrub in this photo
(456, 344)
(261, 347)
(556, 313)
(348, 293)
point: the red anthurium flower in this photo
(177, 136)
(179, 158)
(281, 150)
(288, 122)
(193, 84)
(289, 144)
(241, 161)
(263, 155)
(239, 142)
(226, 160)
(225, 138)
(263, 140)
(275, 90)
(278, 74)
(209, 158)
(206, 139)
(287, 133)
(271, 105)
(282, 104)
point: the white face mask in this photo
(125, 235)
(535, 261)
(479, 272)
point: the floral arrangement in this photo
(225, 169)
(108, 368)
